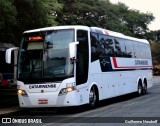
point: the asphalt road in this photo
(8, 97)
(122, 111)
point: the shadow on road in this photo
(8, 101)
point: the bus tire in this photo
(93, 97)
(145, 87)
(140, 89)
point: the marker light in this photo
(22, 92)
(70, 84)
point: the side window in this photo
(148, 51)
(119, 47)
(136, 49)
(82, 57)
(142, 50)
(94, 47)
(106, 45)
(129, 48)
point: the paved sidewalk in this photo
(9, 110)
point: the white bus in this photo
(75, 65)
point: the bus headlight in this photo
(64, 91)
(22, 92)
(69, 89)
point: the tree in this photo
(34, 14)
(158, 35)
(138, 22)
(152, 36)
(7, 21)
(155, 48)
(52, 7)
(20, 15)
(115, 17)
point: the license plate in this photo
(42, 101)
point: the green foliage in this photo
(7, 21)
(52, 7)
(20, 15)
(34, 14)
(152, 36)
(116, 17)
(155, 47)
(17, 16)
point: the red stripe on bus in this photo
(116, 65)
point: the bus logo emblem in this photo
(104, 62)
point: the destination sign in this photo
(35, 38)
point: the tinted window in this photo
(148, 51)
(119, 47)
(136, 50)
(129, 48)
(103, 45)
(106, 45)
(82, 57)
(94, 47)
(142, 50)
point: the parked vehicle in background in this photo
(7, 80)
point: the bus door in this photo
(82, 57)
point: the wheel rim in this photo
(92, 97)
(145, 89)
(139, 90)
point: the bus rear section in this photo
(123, 64)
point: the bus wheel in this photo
(140, 89)
(93, 97)
(145, 88)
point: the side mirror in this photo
(8, 54)
(72, 50)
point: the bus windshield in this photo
(44, 56)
